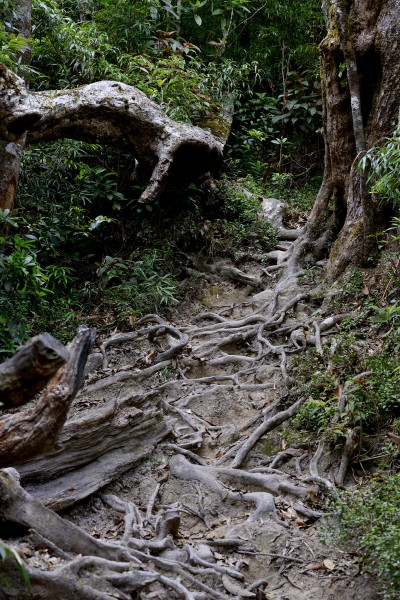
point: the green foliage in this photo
(368, 522)
(70, 53)
(10, 552)
(23, 283)
(270, 129)
(239, 203)
(242, 229)
(388, 315)
(12, 45)
(382, 166)
(371, 402)
(138, 284)
(314, 415)
(258, 236)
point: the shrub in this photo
(368, 520)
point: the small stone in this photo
(205, 553)
(228, 435)
(267, 373)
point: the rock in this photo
(94, 362)
(205, 553)
(229, 435)
(267, 373)
(274, 210)
(264, 296)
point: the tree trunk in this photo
(35, 429)
(110, 113)
(26, 373)
(11, 152)
(360, 73)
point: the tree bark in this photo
(35, 429)
(62, 461)
(112, 113)
(360, 74)
(26, 373)
(11, 152)
(95, 447)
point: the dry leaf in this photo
(329, 564)
(314, 566)
(337, 392)
(300, 523)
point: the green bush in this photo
(314, 415)
(368, 522)
(136, 285)
(382, 167)
(259, 236)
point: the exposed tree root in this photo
(186, 368)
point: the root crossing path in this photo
(173, 468)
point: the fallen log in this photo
(94, 448)
(63, 461)
(26, 373)
(36, 428)
(116, 114)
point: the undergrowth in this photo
(80, 248)
(367, 522)
(354, 388)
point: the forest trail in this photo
(218, 503)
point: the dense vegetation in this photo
(78, 228)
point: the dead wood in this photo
(108, 112)
(26, 373)
(95, 448)
(18, 506)
(35, 429)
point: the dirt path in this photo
(238, 377)
(220, 508)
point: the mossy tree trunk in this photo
(360, 71)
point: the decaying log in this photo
(26, 373)
(94, 448)
(18, 506)
(108, 112)
(35, 429)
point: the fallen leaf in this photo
(300, 523)
(329, 564)
(314, 566)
